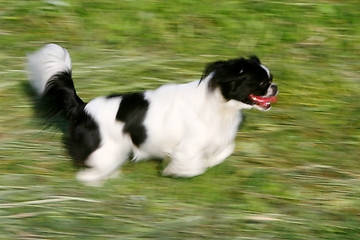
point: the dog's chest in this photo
(222, 130)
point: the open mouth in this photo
(263, 102)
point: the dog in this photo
(195, 124)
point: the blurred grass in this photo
(295, 173)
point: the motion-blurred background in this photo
(295, 173)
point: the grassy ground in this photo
(295, 173)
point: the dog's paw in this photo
(90, 177)
(170, 171)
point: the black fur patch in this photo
(83, 136)
(132, 111)
(60, 97)
(61, 102)
(238, 78)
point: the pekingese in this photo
(195, 124)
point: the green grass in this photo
(295, 173)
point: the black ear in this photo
(212, 67)
(254, 59)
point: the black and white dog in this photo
(195, 124)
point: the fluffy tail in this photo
(50, 76)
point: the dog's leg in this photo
(176, 169)
(220, 156)
(103, 163)
(185, 163)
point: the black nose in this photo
(274, 89)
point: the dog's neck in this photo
(218, 98)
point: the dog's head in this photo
(244, 80)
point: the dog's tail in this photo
(50, 76)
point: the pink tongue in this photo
(263, 101)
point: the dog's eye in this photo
(263, 83)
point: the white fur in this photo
(45, 63)
(267, 70)
(192, 125)
(115, 147)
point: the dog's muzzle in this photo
(264, 102)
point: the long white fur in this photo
(115, 146)
(267, 70)
(46, 62)
(191, 124)
(195, 127)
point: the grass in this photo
(295, 173)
